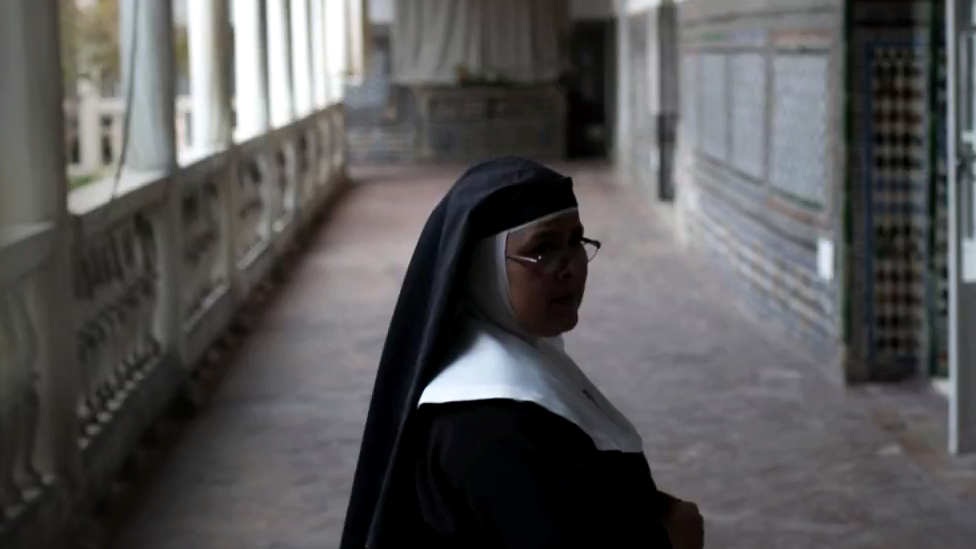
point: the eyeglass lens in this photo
(584, 252)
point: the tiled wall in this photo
(939, 281)
(759, 175)
(472, 124)
(767, 166)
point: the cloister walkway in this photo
(777, 454)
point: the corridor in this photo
(776, 454)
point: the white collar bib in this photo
(494, 364)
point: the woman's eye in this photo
(542, 249)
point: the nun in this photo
(482, 431)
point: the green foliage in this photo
(68, 23)
(90, 42)
(97, 41)
(181, 45)
(79, 181)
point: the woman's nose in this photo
(567, 269)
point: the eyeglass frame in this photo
(565, 257)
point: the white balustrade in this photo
(239, 209)
(20, 402)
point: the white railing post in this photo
(32, 172)
(152, 141)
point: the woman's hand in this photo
(684, 525)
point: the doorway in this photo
(587, 130)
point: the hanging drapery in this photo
(518, 40)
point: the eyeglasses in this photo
(557, 258)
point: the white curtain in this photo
(520, 40)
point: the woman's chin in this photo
(562, 320)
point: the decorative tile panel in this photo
(900, 227)
(896, 149)
(748, 108)
(939, 291)
(714, 139)
(799, 162)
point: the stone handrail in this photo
(161, 264)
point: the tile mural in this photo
(714, 127)
(799, 160)
(896, 141)
(939, 290)
(898, 288)
(748, 109)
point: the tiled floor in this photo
(776, 454)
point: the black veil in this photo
(488, 198)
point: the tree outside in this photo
(90, 44)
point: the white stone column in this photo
(152, 129)
(336, 31)
(356, 38)
(213, 126)
(621, 145)
(33, 200)
(320, 75)
(668, 94)
(279, 63)
(32, 128)
(251, 67)
(208, 27)
(301, 57)
(152, 142)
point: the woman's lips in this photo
(571, 300)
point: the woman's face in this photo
(546, 294)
